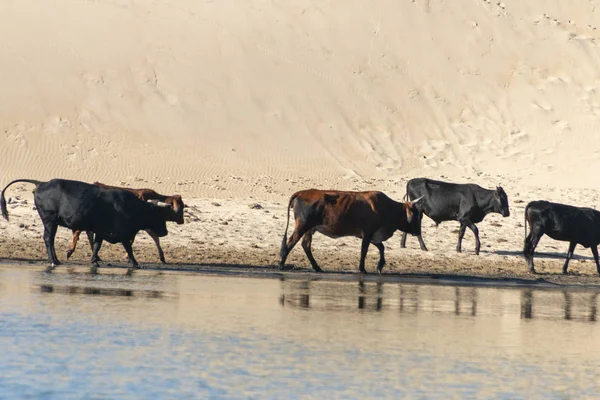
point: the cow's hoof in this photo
(50, 268)
(318, 270)
(162, 260)
(362, 272)
(94, 270)
(129, 271)
(69, 254)
(532, 271)
(281, 267)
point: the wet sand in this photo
(341, 266)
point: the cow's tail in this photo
(525, 221)
(3, 199)
(287, 224)
(406, 195)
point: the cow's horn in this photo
(159, 203)
(416, 200)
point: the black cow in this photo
(577, 225)
(113, 215)
(466, 203)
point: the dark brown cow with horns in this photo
(175, 203)
(372, 216)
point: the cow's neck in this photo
(399, 217)
(485, 200)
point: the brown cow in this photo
(372, 216)
(174, 202)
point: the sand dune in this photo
(240, 100)
(177, 93)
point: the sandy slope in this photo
(253, 100)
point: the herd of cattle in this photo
(116, 215)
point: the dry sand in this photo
(245, 102)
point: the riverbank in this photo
(229, 235)
(247, 232)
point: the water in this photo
(181, 335)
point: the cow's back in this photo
(566, 222)
(341, 211)
(65, 198)
(114, 213)
(441, 200)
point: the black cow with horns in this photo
(114, 215)
(576, 225)
(466, 203)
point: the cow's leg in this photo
(90, 236)
(156, 239)
(91, 241)
(461, 234)
(381, 262)
(299, 231)
(531, 241)
(363, 252)
(595, 253)
(419, 236)
(472, 227)
(73, 245)
(306, 243)
(569, 255)
(127, 245)
(49, 235)
(96, 248)
(421, 242)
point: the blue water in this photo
(176, 335)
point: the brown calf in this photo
(175, 203)
(372, 216)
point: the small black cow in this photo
(466, 203)
(372, 216)
(577, 225)
(113, 215)
(175, 213)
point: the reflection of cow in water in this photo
(528, 304)
(371, 296)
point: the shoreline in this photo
(454, 271)
(221, 233)
(302, 274)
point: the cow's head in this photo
(177, 206)
(501, 202)
(413, 216)
(157, 221)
